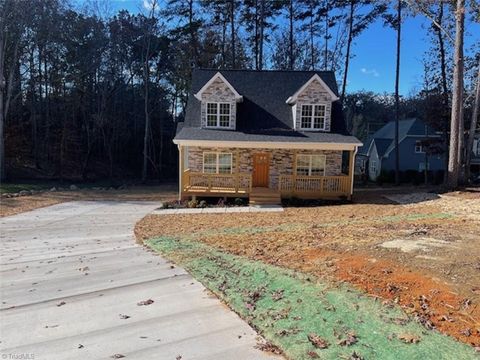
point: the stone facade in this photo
(315, 93)
(281, 160)
(218, 91)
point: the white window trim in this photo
(310, 156)
(373, 166)
(311, 127)
(217, 126)
(418, 145)
(217, 163)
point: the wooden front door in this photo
(260, 170)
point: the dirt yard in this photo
(12, 206)
(421, 251)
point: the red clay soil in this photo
(431, 302)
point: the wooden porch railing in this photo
(321, 185)
(206, 182)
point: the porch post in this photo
(181, 166)
(237, 170)
(294, 172)
(351, 170)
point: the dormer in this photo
(218, 103)
(312, 105)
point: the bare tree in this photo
(2, 89)
(146, 80)
(457, 98)
(397, 98)
(473, 126)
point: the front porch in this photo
(262, 173)
(240, 185)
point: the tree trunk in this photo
(290, 35)
(256, 35)
(192, 33)
(457, 97)
(146, 79)
(2, 89)
(327, 9)
(397, 96)
(232, 30)
(262, 20)
(312, 36)
(443, 71)
(473, 127)
(349, 45)
(224, 39)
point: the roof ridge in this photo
(266, 70)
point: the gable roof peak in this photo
(218, 75)
(292, 99)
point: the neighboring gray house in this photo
(265, 135)
(378, 152)
(475, 159)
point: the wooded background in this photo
(88, 94)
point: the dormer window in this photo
(218, 115)
(312, 117)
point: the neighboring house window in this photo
(217, 163)
(218, 115)
(311, 165)
(419, 147)
(373, 166)
(478, 147)
(313, 117)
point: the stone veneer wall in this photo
(218, 91)
(281, 160)
(315, 93)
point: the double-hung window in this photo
(419, 147)
(373, 166)
(218, 115)
(311, 165)
(217, 163)
(312, 117)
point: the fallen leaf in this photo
(123, 316)
(268, 347)
(61, 303)
(313, 354)
(317, 341)
(80, 346)
(349, 340)
(117, 356)
(355, 356)
(277, 295)
(145, 302)
(409, 338)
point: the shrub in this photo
(166, 205)
(239, 202)
(192, 204)
(202, 204)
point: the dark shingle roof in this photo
(265, 136)
(264, 111)
(385, 136)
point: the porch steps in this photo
(264, 196)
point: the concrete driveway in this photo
(71, 281)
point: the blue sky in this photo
(373, 66)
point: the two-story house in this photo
(420, 148)
(265, 135)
